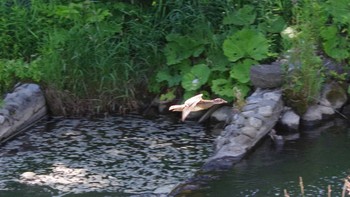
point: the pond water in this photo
(133, 156)
(320, 156)
(115, 156)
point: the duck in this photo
(195, 103)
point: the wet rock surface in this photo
(332, 98)
(247, 127)
(21, 108)
(128, 154)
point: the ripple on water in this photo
(120, 154)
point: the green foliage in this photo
(243, 17)
(225, 52)
(241, 70)
(335, 45)
(110, 51)
(246, 43)
(303, 85)
(180, 48)
(197, 77)
(15, 71)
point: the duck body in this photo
(195, 103)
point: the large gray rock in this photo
(289, 120)
(266, 76)
(247, 128)
(21, 109)
(332, 98)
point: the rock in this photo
(334, 66)
(289, 120)
(164, 189)
(223, 114)
(236, 140)
(333, 97)
(315, 113)
(22, 108)
(346, 110)
(265, 110)
(255, 122)
(266, 76)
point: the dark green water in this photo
(320, 156)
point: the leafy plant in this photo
(245, 16)
(246, 43)
(197, 77)
(15, 71)
(304, 83)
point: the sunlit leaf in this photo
(246, 43)
(196, 78)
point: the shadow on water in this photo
(115, 156)
(320, 156)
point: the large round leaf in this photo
(222, 87)
(240, 71)
(246, 43)
(197, 77)
(244, 16)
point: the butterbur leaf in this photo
(337, 48)
(339, 10)
(244, 16)
(182, 47)
(171, 79)
(218, 61)
(334, 45)
(328, 33)
(232, 49)
(197, 77)
(240, 71)
(222, 87)
(246, 43)
(242, 88)
(274, 25)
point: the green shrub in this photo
(15, 71)
(304, 82)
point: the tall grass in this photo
(103, 59)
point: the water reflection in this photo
(320, 156)
(119, 155)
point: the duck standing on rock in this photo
(195, 103)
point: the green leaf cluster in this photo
(216, 61)
(15, 71)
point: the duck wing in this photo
(190, 105)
